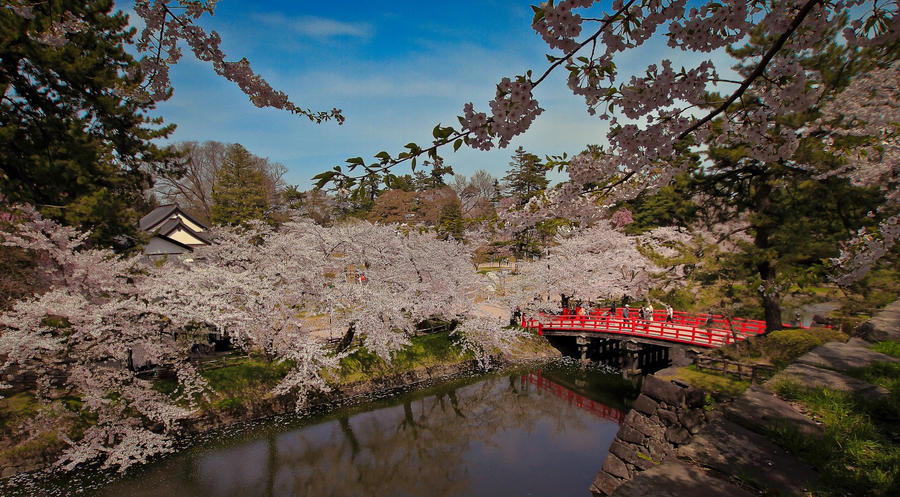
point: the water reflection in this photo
(526, 434)
(574, 398)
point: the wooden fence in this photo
(743, 370)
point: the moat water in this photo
(541, 432)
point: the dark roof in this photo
(156, 215)
(174, 223)
(163, 212)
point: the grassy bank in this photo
(423, 352)
(859, 452)
(777, 349)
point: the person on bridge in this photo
(642, 313)
(670, 313)
(625, 313)
(650, 311)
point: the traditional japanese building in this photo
(173, 232)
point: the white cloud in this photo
(317, 27)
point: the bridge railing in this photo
(702, 330)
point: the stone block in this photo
(646, 426)
(663, 391)
(759, 410)
(643, 462)
(630, 417)
(677, 435)
(668, 418)
(615, 466)
(694, 397)
(691, 418)
(811, 376)
(843, 356)
(629, 434)
(605, 484)
(659, 449)
(645, 405)
(626, 452)
(732, 449)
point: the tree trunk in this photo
(564, 300)
(347, 339)
(771, 299)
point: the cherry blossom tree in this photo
(597, 262)
(255, 283)
(82, 330)
(862, 126)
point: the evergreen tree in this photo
(74, 141)
(239, 194)
(526, 177)
(795, 220)
(451, 222)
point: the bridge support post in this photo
(583, 343)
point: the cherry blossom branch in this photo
(447, 135)
(757, 71)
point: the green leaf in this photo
(323, 179)
(458, 143)
(384, 156)
(413, 167)
(441, 133)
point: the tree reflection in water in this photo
(500, 435)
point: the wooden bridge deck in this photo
(701, 330)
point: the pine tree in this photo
(451, 223)
(526, 177)
(795, 220)
(239, 194)
(74, 142)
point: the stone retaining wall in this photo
(665, 416)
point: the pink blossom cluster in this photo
(558, 25)
(621, 218)
(713, 26)
(513, 110)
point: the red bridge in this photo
(704, 330)
(574, 399)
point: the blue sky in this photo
(395, 69)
